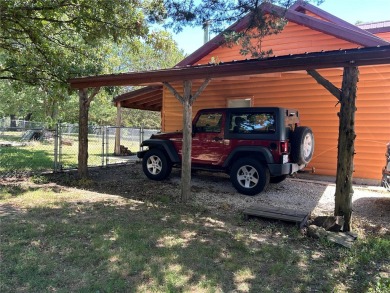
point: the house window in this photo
(239, 102)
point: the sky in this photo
(349, 10)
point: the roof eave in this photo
(317, 60)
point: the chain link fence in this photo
(19, 125)
(37, 149)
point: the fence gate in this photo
(101, 145)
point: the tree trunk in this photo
(12, 121)
(83, 133)
(346, 148)
(84, 103)
(28, 117)
(187, 142)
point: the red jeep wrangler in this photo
(254, 145)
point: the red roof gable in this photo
(332, 25)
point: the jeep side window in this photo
(209, 122)
(252, 123)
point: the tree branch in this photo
(335, 91)
(94, 93)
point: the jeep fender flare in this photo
(165, 145)
(258, 151)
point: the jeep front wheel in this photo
(249, 176)
(156, 165)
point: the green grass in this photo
(72, 240)
(39, 156)
(25, 159)
(11, 135)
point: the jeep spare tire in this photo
(302, 145)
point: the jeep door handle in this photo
(217, 138)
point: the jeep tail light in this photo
(284, 147)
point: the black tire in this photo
(156, 165)
(302, 145)
(386, 182)
(277, 179)
(249, 176)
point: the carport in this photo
(350, 60)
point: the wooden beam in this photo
(325, 83)
(317, 60)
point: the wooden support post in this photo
(187, 142)
(118, 129)
(346, 146)
(187, 100)
(346, 141)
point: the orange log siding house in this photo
(309, 29)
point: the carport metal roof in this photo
(317, 60)
(147, 98)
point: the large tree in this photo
(43, 43)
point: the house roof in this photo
(376, 27)
(297, 13)
(331, 25)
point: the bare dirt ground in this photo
(213, 191)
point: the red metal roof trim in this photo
(301, 6)
(214, 43)
(356, 35)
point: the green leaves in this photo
(51, 41)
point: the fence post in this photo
(141, 137)
(60, 146)
(107, 144)
(56, 149)
(103, 128)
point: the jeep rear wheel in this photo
(302, 145)
(249, 176)
(156, 165)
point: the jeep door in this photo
(208, 143)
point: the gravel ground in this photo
(370, 203)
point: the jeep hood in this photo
(167, 135)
